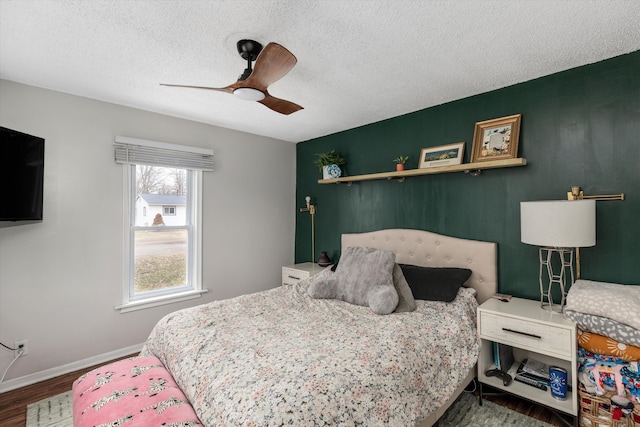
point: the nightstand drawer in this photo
(291, 276)
(526, 334)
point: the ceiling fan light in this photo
(249, 94)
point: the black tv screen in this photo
(22, 176)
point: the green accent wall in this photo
(579, 127)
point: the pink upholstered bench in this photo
(135, 392)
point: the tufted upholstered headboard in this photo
(426, 249)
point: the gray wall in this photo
(60, 279)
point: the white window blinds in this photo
(142, 152)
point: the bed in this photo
(280, 357)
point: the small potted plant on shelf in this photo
(400, 161)
(329, 163)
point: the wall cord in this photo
(9, 348)
(12, 362)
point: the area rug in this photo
(467, 412)
(57, 412)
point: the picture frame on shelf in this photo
(442, 155)
(496, 139)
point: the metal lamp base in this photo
(559, 278)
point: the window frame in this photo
(194, 287)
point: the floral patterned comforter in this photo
(279, 357)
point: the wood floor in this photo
(13, 404)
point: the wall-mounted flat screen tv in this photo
(22, 177)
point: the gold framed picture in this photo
(442, 155)
(496, 139)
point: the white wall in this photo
(60, 279)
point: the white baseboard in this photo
(69, 367)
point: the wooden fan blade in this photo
(228, 89)
(281, 106)
(271, 65)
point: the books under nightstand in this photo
(536, 374)
(502, 356)
(533, 373)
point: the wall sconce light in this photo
(312, 210)
(558, 227)
(577, 194)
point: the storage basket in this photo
(596, 411)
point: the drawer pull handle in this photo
(294, 277)
(521, 333)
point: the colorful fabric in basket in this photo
(598, 411)
(600, 373)
(133, 392)
(596, 343)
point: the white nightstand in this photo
(532, 332)
(292, 274)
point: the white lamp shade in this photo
(558, 223)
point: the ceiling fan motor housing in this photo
(249, 51)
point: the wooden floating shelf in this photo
(467, 167)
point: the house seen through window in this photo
(161, 231)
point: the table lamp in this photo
(557, 226)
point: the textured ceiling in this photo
(358, 61)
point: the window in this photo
(162, 245)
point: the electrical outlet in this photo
(21, 345)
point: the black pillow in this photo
(434, 284)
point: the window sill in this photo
(158, 301)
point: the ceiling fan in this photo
(272, 63)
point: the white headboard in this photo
(426, 249)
